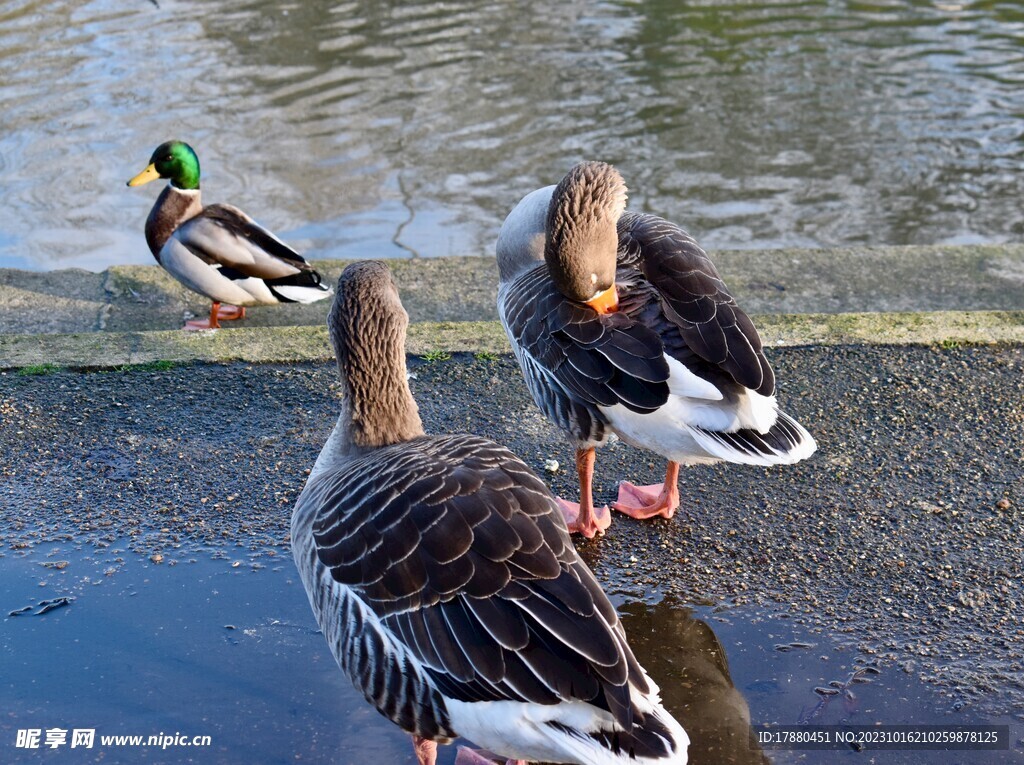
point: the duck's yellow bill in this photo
(605, 302)
(147, 175)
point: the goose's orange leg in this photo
(649, 501)
(426, 750)
(584, 518)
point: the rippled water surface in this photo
(394, 129)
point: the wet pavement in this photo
(168, 492)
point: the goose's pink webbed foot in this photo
(589, 523)
(649, 501)
(467, 756)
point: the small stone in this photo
(157, 558)
(1003, 504)
(551, 466)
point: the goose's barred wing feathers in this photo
(576, 359)
(695, 298)
(462, 554)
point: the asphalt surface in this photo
(901, 536)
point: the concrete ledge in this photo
(134, 298)
(289, 344)
(140, 298)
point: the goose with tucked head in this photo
(621, 324)
(219, 251)
(442, 576)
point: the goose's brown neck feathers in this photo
(582, 241)
(173, 207)
(367, 325)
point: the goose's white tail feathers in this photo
(785, 443)
(559, 733)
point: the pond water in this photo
(227, 648)
(397, 129)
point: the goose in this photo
(622, 325)
(219, 251)
(444, 580)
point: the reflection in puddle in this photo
(756, 668)
(685, 657)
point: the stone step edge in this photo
(435, 339)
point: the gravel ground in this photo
(901, 536)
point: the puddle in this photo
(223, 649)
(198, 649)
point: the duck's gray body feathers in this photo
(222, 253)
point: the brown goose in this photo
(443, 577)
(219, 251)
(621, 324)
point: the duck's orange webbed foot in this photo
(209, 323)
(231, 312)
(217, 312)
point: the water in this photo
(228, 648)
(396, 129)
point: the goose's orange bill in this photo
(605, 302)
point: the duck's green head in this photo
(175, 160)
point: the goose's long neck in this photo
(521, 240)
(173, 207)
(336, 449)
(377, 407)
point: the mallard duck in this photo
(219, 251)
(621, 324)
(443, 577)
